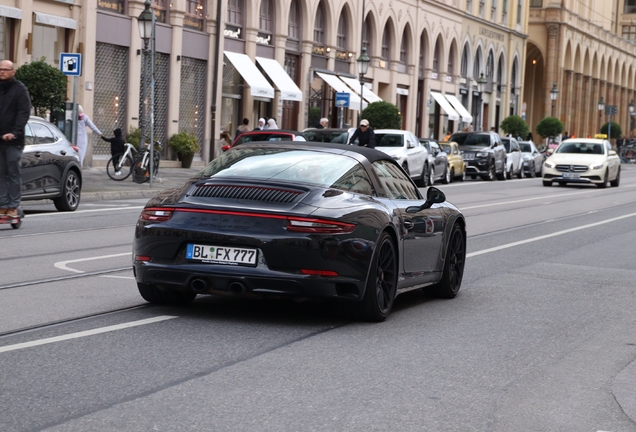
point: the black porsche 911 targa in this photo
(333, 222)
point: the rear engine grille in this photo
(253, 193)
(571, 168)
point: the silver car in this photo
(406, 149)
(532, 159)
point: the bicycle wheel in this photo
(155, 166)
(124, 167)
(140, 170)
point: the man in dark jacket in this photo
(117, 147)
(364, 134)
(15, 108)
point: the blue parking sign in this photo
(71, 64)
(342, 99)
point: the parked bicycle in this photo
(628, 152)
(141, 166)
(119, 167)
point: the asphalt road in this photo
(540, 338)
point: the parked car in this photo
(365, 231)
(437, 167)
(514, 158)
(456, 164)
(532, 159)
(50, 166)
(406, 149)
(265, 135)
(328, 135)
(583, 160)
(484, 154)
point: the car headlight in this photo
(597, 167)
(547, 165)
(482, 154)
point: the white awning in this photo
(367, 93)
(55, 21)
(448, 109)
(250, 73)
(339, 86)
(288, 88)
(10, 12)
(463, 112)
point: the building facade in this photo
(445, 64)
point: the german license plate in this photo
(221, 255)
(571, 175)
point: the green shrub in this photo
(616, 130)
(550, 127)
(184, 143)
(46, 85)
(516, 126)
(382, 115)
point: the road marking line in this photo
(62, 264)
(85, 333)
(84, 211)
(118, 277)
(543, 237)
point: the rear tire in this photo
(139, 173)
(451, 280)
(605, 181)
(448, 177)
(151, 293)
(71, 193)
(547, 183)
(617, 180)
(126, 167)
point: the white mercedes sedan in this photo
(583, 160)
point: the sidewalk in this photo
(98, 186)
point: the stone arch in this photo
(452, 61)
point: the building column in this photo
(551, 67)
(577, 114)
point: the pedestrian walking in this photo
(116, 146)
(15, 108)
(82, 136)
(271, 124)
(324, 123)
(242, 128)
(364, 134)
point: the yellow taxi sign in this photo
(601, 136)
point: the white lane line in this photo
(62, 264)
(530, 199)
(543, 237)
(84, 211)
(118, 277)
(85, 333)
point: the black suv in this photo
(484, 154)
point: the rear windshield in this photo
(341, 137)
(446, 148)
(479, 140)
(526, 148)
(581, 148)
(389, 140)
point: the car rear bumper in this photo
(477, 167)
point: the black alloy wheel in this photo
(381, 285)
(492, 173)
(71, 191)
(605, 180)
(454, 264)
(153, 294)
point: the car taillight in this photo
(144, 258)
(328, 273)
(76, 148)
(156, 214)
(318, 226)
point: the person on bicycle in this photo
(116, 146)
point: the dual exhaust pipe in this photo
(236, 287)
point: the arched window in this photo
(477, 65)
(236, 17)
(490, 67)
(422, 56)
(500, 73)
(367, 36)
(437, 56)
(266, 17)
(341, 36)
(404, 48)
(319, 25)
(386, 45)
(464, 70)
(450, 70)
(161, 10)
(294, 29)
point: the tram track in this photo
(63, 278)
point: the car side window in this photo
(29, 139)
(355, 180)
(394, 181)
(43, 134)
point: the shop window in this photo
(266, 18)
(48, 42)
(117, 6)
(6, 28)
(161, 8)
(195, 15)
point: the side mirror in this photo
(225, 147)
(549, 151)
(433, 196)
(410, 145)
(612, 153)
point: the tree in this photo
(516, 126)
(382, 115)
(549, 127)
(46, 85)
(616, 130)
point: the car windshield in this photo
(273, 136)
(581, 148)
(506, 143)
(526, 148)
(298, 166)
(389, 140)
(329, 136)
(446, 148)
(477, 140)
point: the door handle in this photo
(408, 224)
(38, 154)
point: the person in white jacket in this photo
(82, 135)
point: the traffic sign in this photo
(342, 99)
(611, 110)
(71, 64)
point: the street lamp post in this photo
(554, 93)
(146, 23)
(631, 116)
(601, 107)
(363, 67)
(481, 86)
